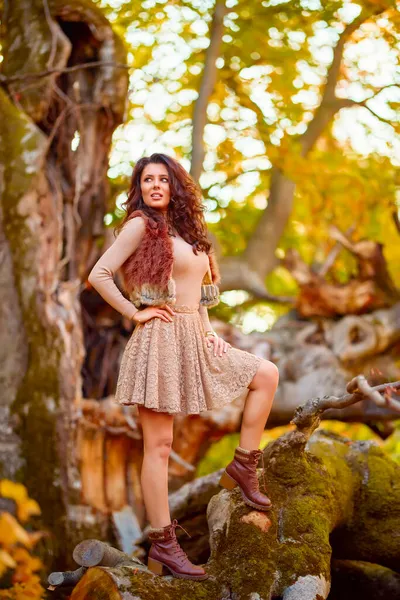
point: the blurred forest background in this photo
(287, 114)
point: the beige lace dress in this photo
(168, 366)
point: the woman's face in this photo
(154, 183)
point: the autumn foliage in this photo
(17, 563)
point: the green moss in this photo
(368, 534)
(333, 486)
(313, 493)
(146, 585)
(37, 400)
(297, 542)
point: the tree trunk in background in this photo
(207, 85)
(53, 200)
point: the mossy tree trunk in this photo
(333, 499)
(53, 199)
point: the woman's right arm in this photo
(101, 277)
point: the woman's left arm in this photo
(204, 317)
(220, 346)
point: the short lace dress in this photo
(168, 366)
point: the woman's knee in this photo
(157, 431)
(158, 448)
(267, 374)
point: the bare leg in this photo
(258, 405)
(157, 437)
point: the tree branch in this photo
(90, 65)
(54, 33)
(275, 217)
(308, 416)
(238, 276)
(334, 70)
(206, 89)
(329, 106)
(234, 176)
(348, 103)
(377, 91)
(396, 220)
(329, 261)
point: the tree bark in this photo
(52, 206)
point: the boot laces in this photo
(256, 457)
(177, 550)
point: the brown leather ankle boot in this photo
(166, 552)
(242, 471)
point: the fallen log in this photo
(65, 578)
(333, 498)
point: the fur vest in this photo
(147, 273)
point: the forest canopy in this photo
(272, 67)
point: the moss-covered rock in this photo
(322, 489)
(358, 579)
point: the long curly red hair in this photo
(185, 213)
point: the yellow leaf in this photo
(11, 531)
(17, 492)
(10, 489)
(7, 560)
(31, 589)
(22, 556)
(27, 509)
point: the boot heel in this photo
(227, 482)
(155, 567)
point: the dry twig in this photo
(307, 416)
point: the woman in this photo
(174, 362)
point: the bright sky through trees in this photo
(270, 79)
(141, 135)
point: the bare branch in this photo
(237, 275)
(307, 416)
(348, 103)
(41, 74)
(334, 70)
(175, 456)
(396, 220)
(333, 255)
(54, 32)
(381, 89)
(382, 119)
